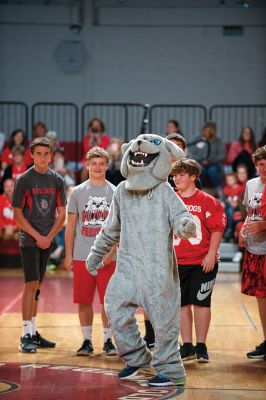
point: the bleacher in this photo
(127, 120)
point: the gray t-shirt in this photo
(91, 203)
(38, 195)
(255, 243)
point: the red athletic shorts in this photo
(85, 284)
(254, 275)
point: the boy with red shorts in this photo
(197, 259)
(88, 208)
(253, 237)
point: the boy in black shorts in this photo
(197, 259)
(39, 208)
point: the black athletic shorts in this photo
(34, 262)
(196, 285)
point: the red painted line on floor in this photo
(11, 303)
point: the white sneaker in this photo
(237, 257)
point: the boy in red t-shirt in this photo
(197, 259)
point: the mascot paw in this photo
(93, 264)
(187, 228)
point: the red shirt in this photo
(210, 217)
(6, 212)
(234, 193)
(8, 157)
(104, 143)
(17, 172)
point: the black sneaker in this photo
(259, 352)
(109, 349)
(128, 372)
(202, 353)
(86, 349)
(26, 344)
(187, 352)
(40, 341)
(150, 343)
(161, 381)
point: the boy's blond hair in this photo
(186, 165)
(97, 152)
(260, 154)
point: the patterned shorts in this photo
(254, 275)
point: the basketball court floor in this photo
(58, 374)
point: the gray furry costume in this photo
(143, 215)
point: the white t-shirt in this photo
(91, 204)
(255, 243)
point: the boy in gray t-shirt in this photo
(88, 208)
(253, 237)
(39, 203)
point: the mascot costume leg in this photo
(144, 213)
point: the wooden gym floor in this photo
(59, 374)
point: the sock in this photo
(26, 327)
(149, 332)
(33, 326)
(107, 334)
(87, 332)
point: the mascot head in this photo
(147, 161)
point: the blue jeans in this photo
(213, 171)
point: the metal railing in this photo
(121, 119)
(230, 119)
(190, 116)
(13, 115)
(127, 120)
(60, 117)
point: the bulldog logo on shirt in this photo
(95, 211)
(44, 204)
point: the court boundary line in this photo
(11, 304)
(248, 316)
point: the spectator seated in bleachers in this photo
(18, 167)
(9, 250)
(113, 173)
(173, 126)
(242, 175)
(210, 156)
(96, 136)
(241, 150)
(52, 136)
(18, 138)
(59, 164)
(233, 192)
(39, 130)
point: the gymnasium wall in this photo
(158, 55)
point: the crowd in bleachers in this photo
(225, 170)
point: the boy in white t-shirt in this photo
(88, 208)
(253, 237)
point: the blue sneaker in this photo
(161, 380)
(128, 372)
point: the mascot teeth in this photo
(140, 159)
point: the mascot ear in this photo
(174, 150)
(125, 151)
(125, 146)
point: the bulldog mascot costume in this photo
(144, 214)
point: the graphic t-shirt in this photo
(38, 195)
(253, 200)
(91, 204)
(6, 212)
(209, 217)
